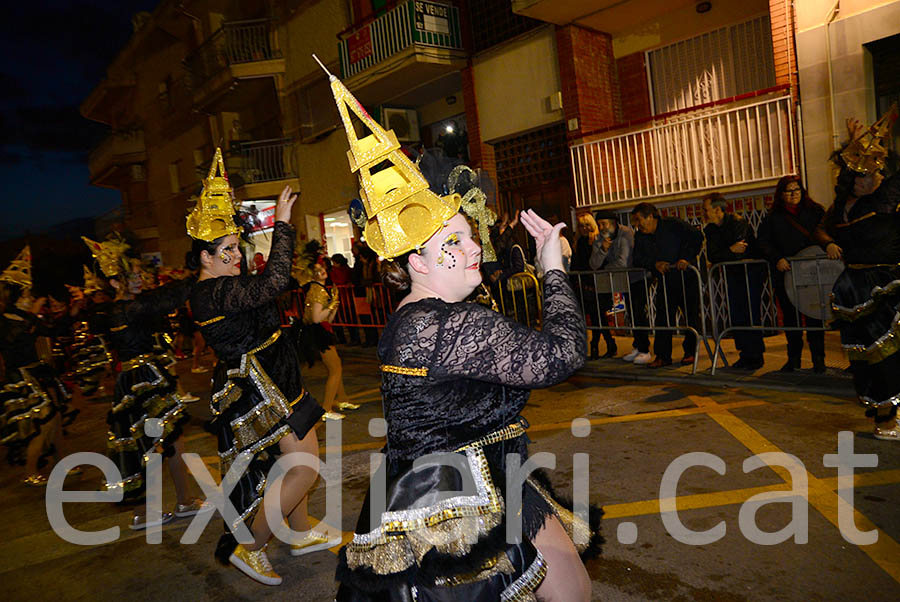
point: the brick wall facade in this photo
(588, 78)
(635, 90)
(782, 22)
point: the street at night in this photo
(637, 430)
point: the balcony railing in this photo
(235, 43)
(121, 144)
(261, 161)
(721, 145)
(431, 24)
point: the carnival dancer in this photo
(317, 340)
(34, 400)
(454, 378)
(259, 404)
(147, 414)
(91, 356)
(865, 224)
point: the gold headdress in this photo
(213, 215)
(866, 154)
(92, 283)
(19, 271)
(474, 205)
(401, 213)
(110, 254)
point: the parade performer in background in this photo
(317, 340)
(260, 406)
(454, 378)
(33, 398)
(145, 399)
(865, 224)
(91, 356)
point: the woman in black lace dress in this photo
(260, 407)
(455, 377)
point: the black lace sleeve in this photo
(240, 293)
(478, 343)
(159, 301)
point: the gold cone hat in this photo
(19, 271)
(867, 153)
(213, 215)
(401, 212)
(110, 255)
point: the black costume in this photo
(145, 389)
(673, 240)
(744, 283)
(454, 378)
(32, 394)
(783, 234)
(258, 395)
(866, 296)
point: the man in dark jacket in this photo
(730, 238)
(669, 247)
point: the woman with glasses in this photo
(790, 227)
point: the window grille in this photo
(718, 64)
(532, 158)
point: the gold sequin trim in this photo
(850, 314)
(118, 328)
(886, 346)
(855, 221)
(578, 529)
(210, 321)
(522, 589)
(404, 370)
(516, 429)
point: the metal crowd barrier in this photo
(639, 284)
(521, 298)
(732, 283)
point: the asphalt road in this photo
(638, 429)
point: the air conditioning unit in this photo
(404, 122)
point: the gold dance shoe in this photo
(313, 542)
(255, 565)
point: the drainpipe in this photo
(835, 137)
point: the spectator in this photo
(730, 238)
(340, 275)
(668, 243)
(363, 276)
(614, 248)
(788, 229)
(588, 234)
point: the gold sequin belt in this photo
(269, 342)
(511, 431)
(138, 361)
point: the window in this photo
(315, 109)
(496, 23)
(718, 64)
(532, 158)
(174, 182)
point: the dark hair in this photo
(395, 273)
(645, 210)
(805, 201)
(339, 259)
(192, 259)
(716, 199)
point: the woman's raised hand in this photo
(546, 239)
(284, 205)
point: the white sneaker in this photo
(889, 431)
(189, 397)
(631, 355)
(642, 359)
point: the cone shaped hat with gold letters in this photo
(213, 215)
(19, 271)
(867, 153)
(110, 255)
(401, 213)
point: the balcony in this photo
(107, 163)
(411, 45)
(260, 168)
(234, 65)
(724, 145)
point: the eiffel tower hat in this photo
(213, 215)
(19, 271)
(400, 213)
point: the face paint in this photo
(226, 259)
(447, 248)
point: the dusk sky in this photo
(55, 54)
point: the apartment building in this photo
(561, 106)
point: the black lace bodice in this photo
(480, 366)
(870, 233)
(129, 325)
(238, 313)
